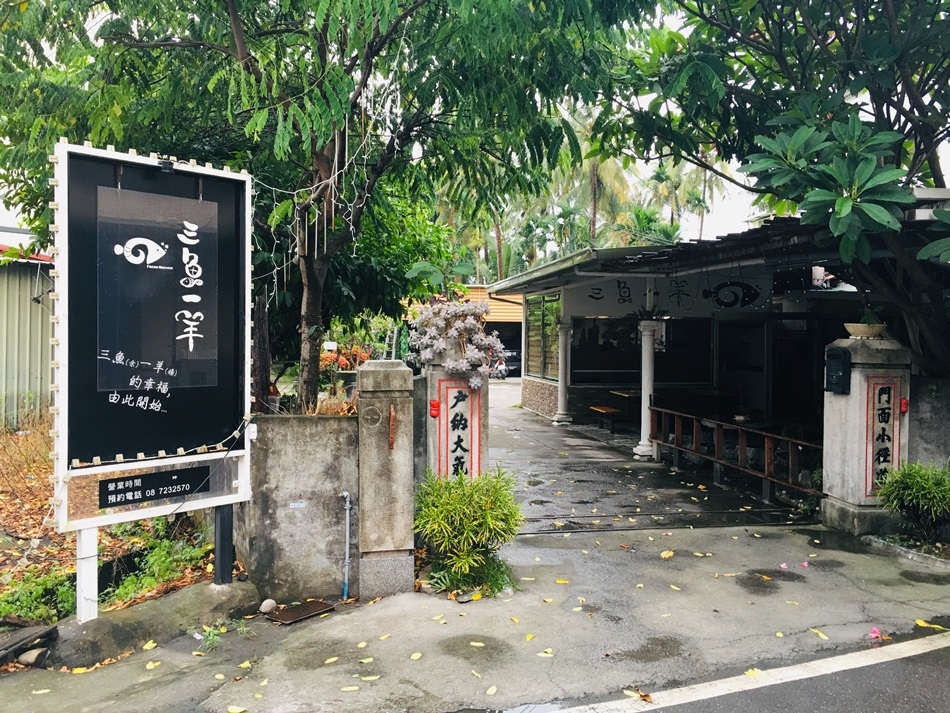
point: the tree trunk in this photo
(702, 209)
(261, 365)
(313, 273)
(498, 245)
(594, 199)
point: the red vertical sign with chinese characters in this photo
(883, 432)
(460, 428)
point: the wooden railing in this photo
(782, 461)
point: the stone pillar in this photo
(648, 329)
(386, 490)
(563, 354)
(865, 433)
(457, 429)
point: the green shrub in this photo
(163, 561)
(463, 522)
(41, 597)
(921, 495)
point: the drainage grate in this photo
(298, 612)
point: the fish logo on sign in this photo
(139, 250)
(732, 294)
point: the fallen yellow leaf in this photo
(646, 697)
(361, 645)
(779, 634)
(476, 643)
(197, 653)
(258, 695)
(514, 619)
(546, 653)
(476, 596)
(236, 709)
(820, 635)
(219, 676)
(84, 669)
(528, 637)
(149, 645)
(491, 690)
(41, 691)
(640, 586)
(367, 660)
(223, 629)
(347, 689)
(369, 678)
(210, 568)
(753, 672)
(666, 554)
(384, 637)
(264, 682)
(928, 625)
(577, 609)
(698, 554)
(245, 664)
(562, 581)
(476, 674)
(675, 588)
(527, 579)
(795, 604)
(416, 656)
(547, 601)
(436, 617)
(153, 664)
(331, 659)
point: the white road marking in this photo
(770, 677)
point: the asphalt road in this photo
(888, 679)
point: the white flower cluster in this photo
(442, 324)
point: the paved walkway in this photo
(602, 608)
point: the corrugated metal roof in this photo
(25, 333)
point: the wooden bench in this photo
(607, 414)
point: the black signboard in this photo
(141, 488)
(157, 308)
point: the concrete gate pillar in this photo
(457, 432)
(865, 432)
(386, 488)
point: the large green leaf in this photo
(878, 215)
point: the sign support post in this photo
(87, 573)
(223, 543)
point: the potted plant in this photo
(869, 327)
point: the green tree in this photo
(320, 99)
(839, 108)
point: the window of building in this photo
(541, 337)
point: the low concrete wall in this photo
(290, 535)
(539, 396)
(928, 432)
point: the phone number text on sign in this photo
(130, 490)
